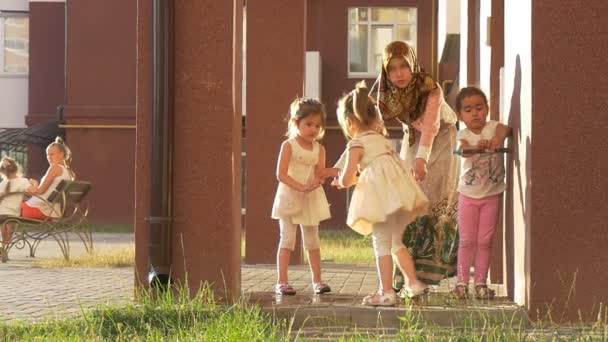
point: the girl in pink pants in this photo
(480, 190)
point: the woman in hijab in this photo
(406, 93)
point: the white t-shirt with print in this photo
(481, 175)
(11, 205)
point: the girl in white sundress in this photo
(300, 198)
(10, 204)
(386, 197)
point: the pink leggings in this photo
(477, 220)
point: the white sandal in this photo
(379, 299)
(414, 291)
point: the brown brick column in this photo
(568, 239)
(206, 146)
(275, 76)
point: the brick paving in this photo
(32, 293)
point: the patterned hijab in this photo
(407, 104)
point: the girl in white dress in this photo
(10, 204)
(386, 197)
(300, 198)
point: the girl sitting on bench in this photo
(37, 207)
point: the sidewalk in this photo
(31, 293)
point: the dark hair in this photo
(302, 108)
(357, 106)
(8, 168)
(467, 92)
(67, 153)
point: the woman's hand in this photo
(420, 169)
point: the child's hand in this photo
(483, 144)
(315, 183)
(32, 189)
(495, 143)
(33, 182)
(336, 184)
(330, 172)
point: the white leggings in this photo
(310, 236)
(387, 236)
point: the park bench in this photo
(72, 218)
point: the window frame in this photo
(369, 24)
(3, 16)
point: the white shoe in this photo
(414, 291)
(380, 299)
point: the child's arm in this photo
(348, 176)
(52, 172)
(320, 171)
(502, 133)
(337, 168)
(283, 167)
(464, 145)
(341, 163)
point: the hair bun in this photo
(361, 87)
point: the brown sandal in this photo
(483, 292)
(461, 291)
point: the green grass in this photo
(346, 246)
(175, 316)
(111, 228)
(115, 257)
(172, 317)
(340, 246)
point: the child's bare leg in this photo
(385, 272)
(7, 233)
(283, 256)
(408, 268)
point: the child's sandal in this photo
(413, 292)
(320, 288)
(284, 289)
(380, 299)
(483, 292)
(460, 292)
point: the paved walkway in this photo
(29, 292)
(33, 293)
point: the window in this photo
(14, 44)
(370, 29)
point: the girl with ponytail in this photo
(386, 197)
(37, 207)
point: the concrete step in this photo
(346, 311)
